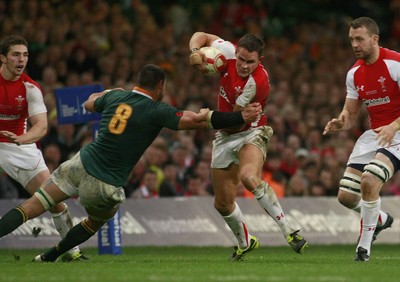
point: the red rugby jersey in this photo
(377, 85)
(14, 97)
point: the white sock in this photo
(63, 223)
(369, 218)
(382, 215)
(266, 197)
(239, 229)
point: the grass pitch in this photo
(319, 263)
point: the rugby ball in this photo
(215, 60)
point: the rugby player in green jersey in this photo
(130, 121)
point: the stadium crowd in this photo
(307, 55)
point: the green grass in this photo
(319, 263)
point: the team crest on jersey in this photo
(238, 91)
(381, 80)
(19, 99)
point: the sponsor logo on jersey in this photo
(377, 101)
(9, 117)
(360, 88)
(222, 93)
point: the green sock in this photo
(11, 221)
(76, 236)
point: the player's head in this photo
(249, 54)
(364, 37)
(13, 56)
(152, 78)
(10, 41)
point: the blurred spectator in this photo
(297, 186)
(179, 158)
(154, 161)
(196, 186)
(135, 178)
(202, 169)
(65, 136)
(148, 187)
(317, 189)
(52, 156)
(170, 186)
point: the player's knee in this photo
(249, 180)
(346, 200)
(59, 208)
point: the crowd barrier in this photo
(195, 222)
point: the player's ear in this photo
(3, 59)
(375, 38)
(160, 87)
(160, 84)
(261, 59)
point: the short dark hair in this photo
(252, 43)
(150, 75)
(366, 22)
(7, 42)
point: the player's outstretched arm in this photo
(218, 120)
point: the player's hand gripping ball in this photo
(214, 61)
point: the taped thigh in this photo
(45, 199)
(379, 169)
(350, 183)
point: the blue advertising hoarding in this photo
(69, 103)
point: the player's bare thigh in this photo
(33, 206)
(34, 184)
(36, 181)
(251, 162)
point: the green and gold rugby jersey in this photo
(129, 124)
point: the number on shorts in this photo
(119, 121)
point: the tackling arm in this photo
(217, 120)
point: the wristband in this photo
(194, 50)
(219, 120)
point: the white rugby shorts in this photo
(22, 162)
(366, 146)
(72, 178)
(226, 147)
